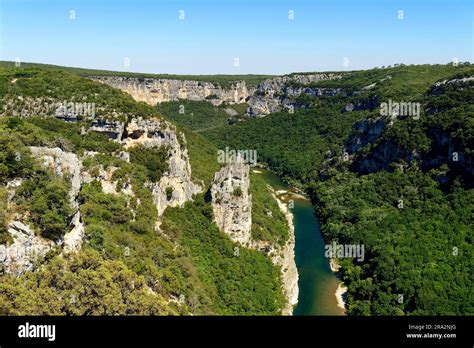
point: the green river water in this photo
(317, 283)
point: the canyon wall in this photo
(272, 95)
(153, 91)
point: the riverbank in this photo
(285, 258)
(340, 293)
(341, 289)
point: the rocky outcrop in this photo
(112, 128)
(25, 251)
(232, 202)
(232, 208)
(440, 87)
(68, 165)
(278, 93)
(27, 247)
(153, 91)
(175, 186)
(446, 149)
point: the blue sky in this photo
(215, 32)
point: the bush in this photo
(46, 197)
(4, 235)
(153, 159)
(15, 159)
(80, 284)
(237, 192)
(169, 193)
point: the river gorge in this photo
(317, 283)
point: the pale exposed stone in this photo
(64, 164)
(153, 91)
(73, 239)
(158, 133)
(233, 213)
(279, 93)
(25, 250)
(272, 95)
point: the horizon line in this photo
(220, 74)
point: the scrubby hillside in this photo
(103, 209)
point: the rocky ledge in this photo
(280, 93)
(272, 95)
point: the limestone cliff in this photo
(232, 202)
(158, 133)
(271, 95)
(279, 93)
(69, 165)
(26, 249)
(153, 91)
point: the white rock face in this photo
(278, 93)
(73, 239)
(158, 133)
(232, 202)
(62, 163)
(153, 91)
(26, 249)
(269, 96)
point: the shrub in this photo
(46, 197)
(169, 193)
(237, 192)
(153, 159)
